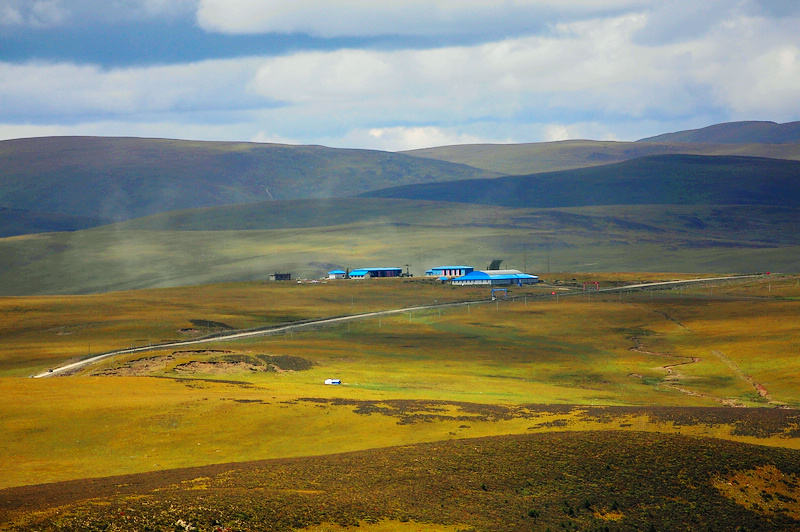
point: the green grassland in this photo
(192, 248)
(586, 411)
(505, 367)
(40, 332)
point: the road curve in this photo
(268, 331)
(282, 329)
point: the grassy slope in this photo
(665, 179)
(123, 178)
(304, 214)
(595, 481)
(396, 233)
(519, 159)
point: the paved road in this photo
(283, 329)
(224, 337)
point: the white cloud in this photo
(152, 129)
(272, 138)
(752, 67)
(68, 92)
(555, 132)
(409, 138)
(36, 13)
(54, 13)
(167, 7)
(586, 78)
(584, 69)
(389, 17)
(11, 15)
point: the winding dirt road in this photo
(283, 329)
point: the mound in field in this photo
(569, 481)
(206, 361)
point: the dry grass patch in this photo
(766, 490)
(43, 331)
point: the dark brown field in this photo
(593, 481)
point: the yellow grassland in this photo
(605, 350)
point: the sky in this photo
(394, 75)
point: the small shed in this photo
(337, 274)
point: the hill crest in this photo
(126, 178)
(746, 132)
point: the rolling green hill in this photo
(252, 241)
(665, 179)
(736, 133)
(125, 178)
(302, 214)
(519, 159)
(682, 213)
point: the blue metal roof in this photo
(481, 275)
(364, 271)
(337, 271)
(474, 275)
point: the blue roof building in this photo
(367, 273)
(448, 271)
(495, 277)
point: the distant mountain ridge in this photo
(72, 183)
(125, 178)
(207, 212)
(521, 159)
(661, 179)
(736, 133)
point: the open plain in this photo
(174, 389)
(510, 414)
